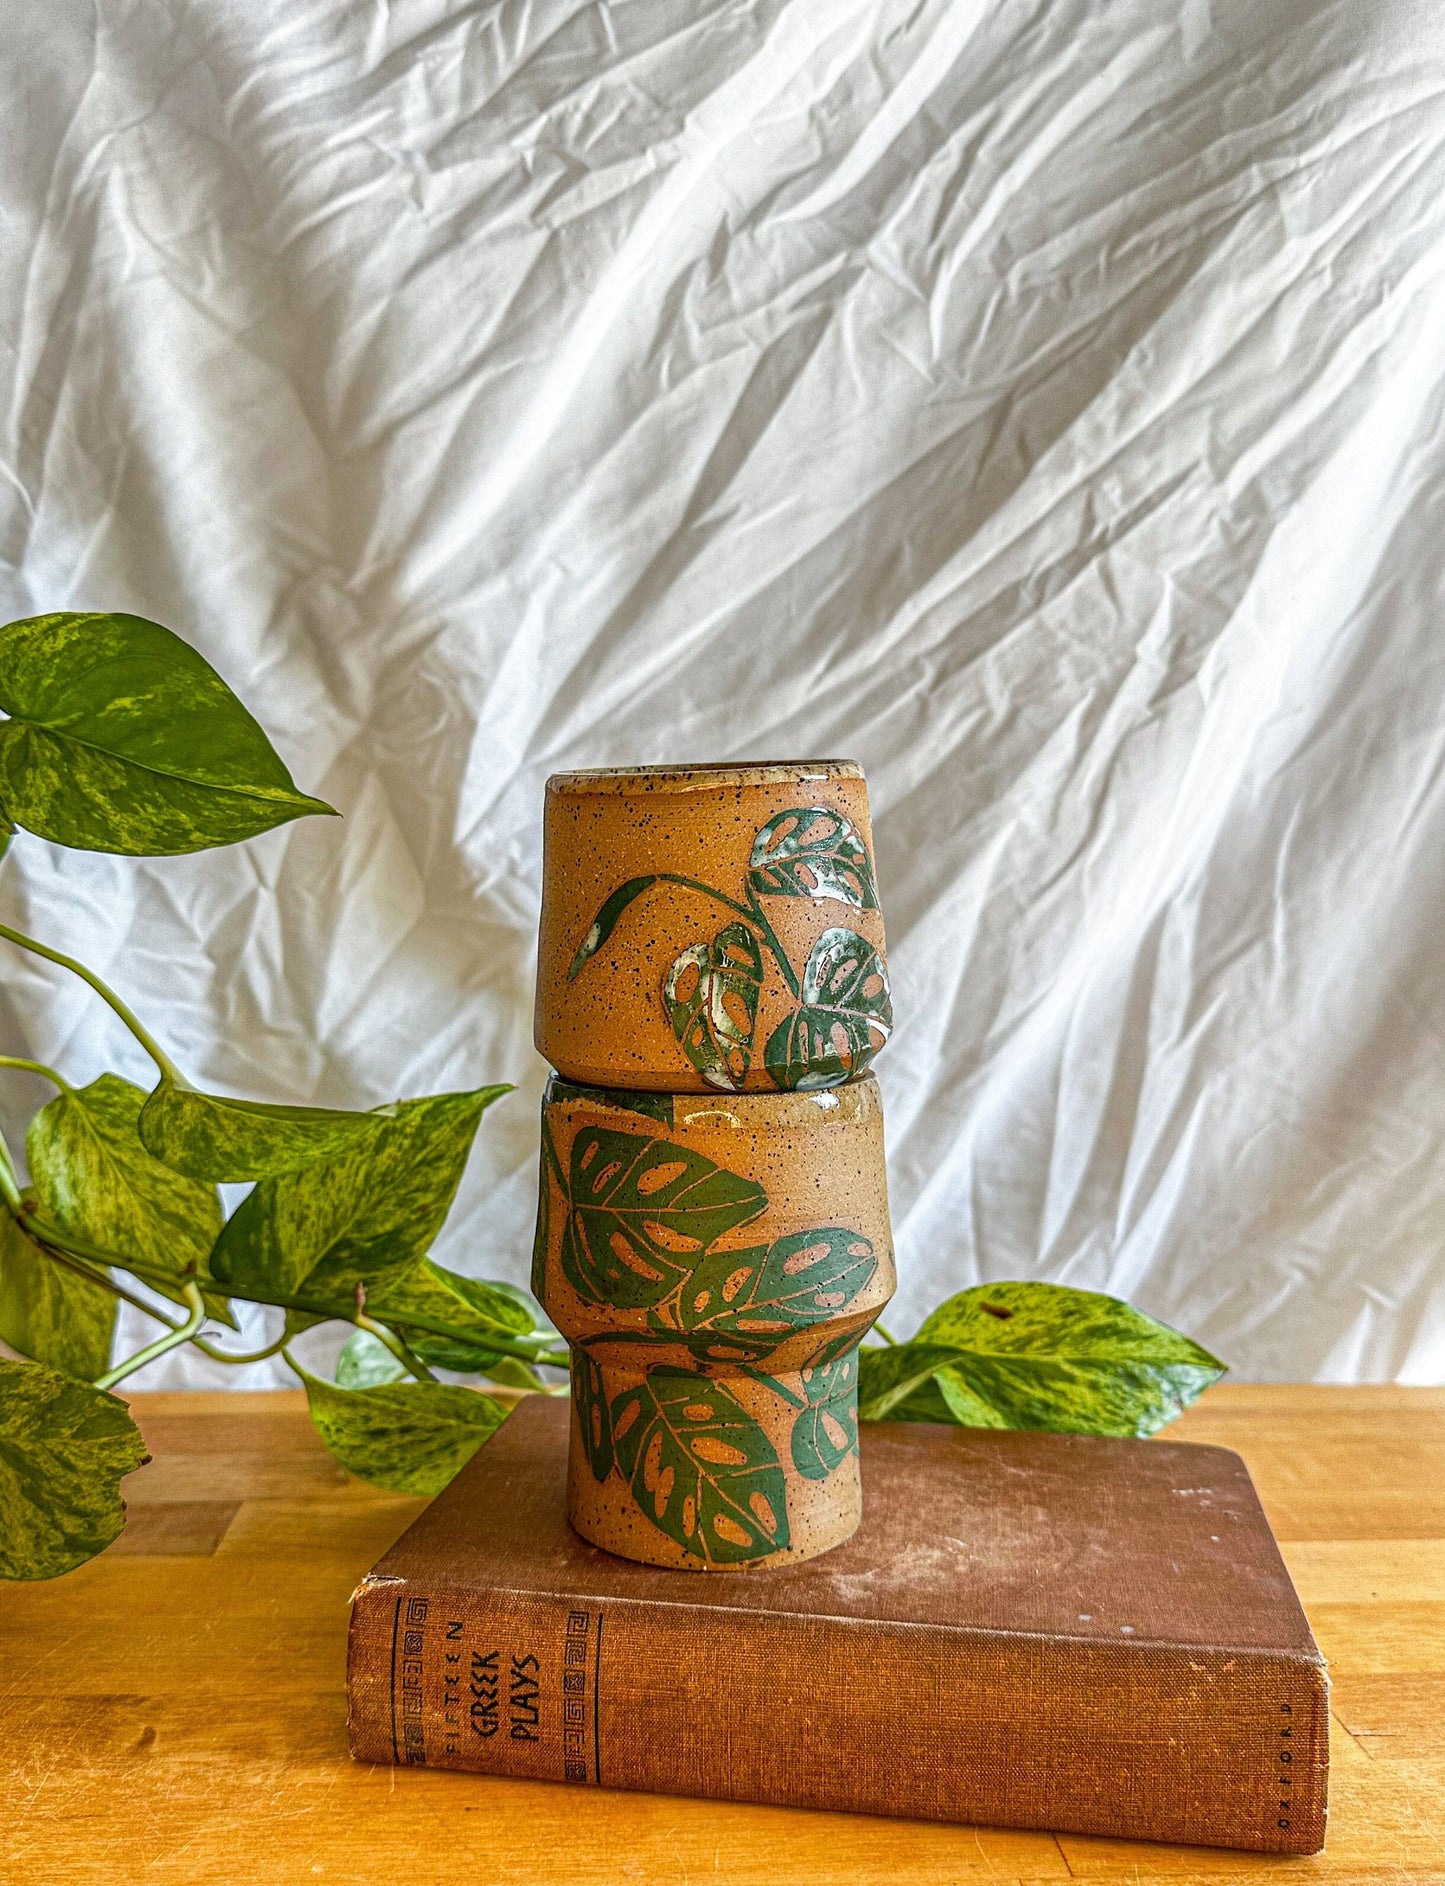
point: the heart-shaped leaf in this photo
(642, 1211)
(1036, 1355)
(826, 1431)
(426, 1300)
(122, 738)
(365, 1362)
(409, 1437)
(225, 1141)
(811, 851)
(48, 1312)
(799, 1280)
(94, 1178)
(845, 1018)
(700, 1467)
(712, 1002)
(64, 1449)
(594, 1418)
(606, 921)
(365, 1215)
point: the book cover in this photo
(1049, 1631)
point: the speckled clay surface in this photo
(765, 971)
(714, 1263)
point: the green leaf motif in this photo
(409, 1437)
(657, 1107)
(365, 1215)
(700, 1467)
(366, 1362)
(642, 1211)
(799, 1280)
(1036, 1355)
(94, 1178)
(810, 851)
(594, 1417)
(826, 1431)
(606, 921)
(64, 1449)
(226, 1141)
(711, 995)
(122, 738)
(845, 1018)
(48, 1312)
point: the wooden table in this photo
(174, 1711)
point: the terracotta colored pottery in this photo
(713, 1263)
(711, 927)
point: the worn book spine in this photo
(1216, 1748)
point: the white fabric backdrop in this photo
(1040, 400)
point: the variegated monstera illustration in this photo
(643, 1230)
(842, 1012)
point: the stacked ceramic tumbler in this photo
(712, 1229)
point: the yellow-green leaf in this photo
(48, 1312)
(211, 1136)
(94, 1178)
(410, 1437)
(64, 1449)
(122, 738)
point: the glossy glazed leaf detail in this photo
(798, 1280)
(594, 1417)
(711, 995)
(606, 921)
(826, 1431)
(846, 1016)
(812, 851)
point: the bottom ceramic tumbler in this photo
(713, 1263)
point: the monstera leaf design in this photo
(845, 1018)
(594, 1417)
(772, 1290)
(809, 851)
(712, 1002)
(826, 1432)
(642, 1210)
(700, 1467)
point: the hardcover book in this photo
(1049, 1631)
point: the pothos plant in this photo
(120, 738)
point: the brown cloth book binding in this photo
(1050, 1631)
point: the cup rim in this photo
(701, 776)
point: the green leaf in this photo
(845, 1018)
(826, 1431)
(122, 738)
(811, 851)
(1048, 1356)
(700, 1467)
(901, 1383)
(365, 1215)
(642, 1211)
(606, 920)
(210, 1136)
(799, 1280)
(94, 1178)
(64, 1449)
(711, 994)
(366, 1362)
(410, 1437)
(48, 1312)
(594, 1418)
(475, 1314)
(657, 1107)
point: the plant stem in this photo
(37, 1067)
(171, 1340)
(253, 1355)
(107, 995)
(390, 1340)
(770, 937)
(879, 1330)
(695, 884)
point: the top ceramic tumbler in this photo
(711, 928)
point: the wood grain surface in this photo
(175, 1711)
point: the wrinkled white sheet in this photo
(1039, 400)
